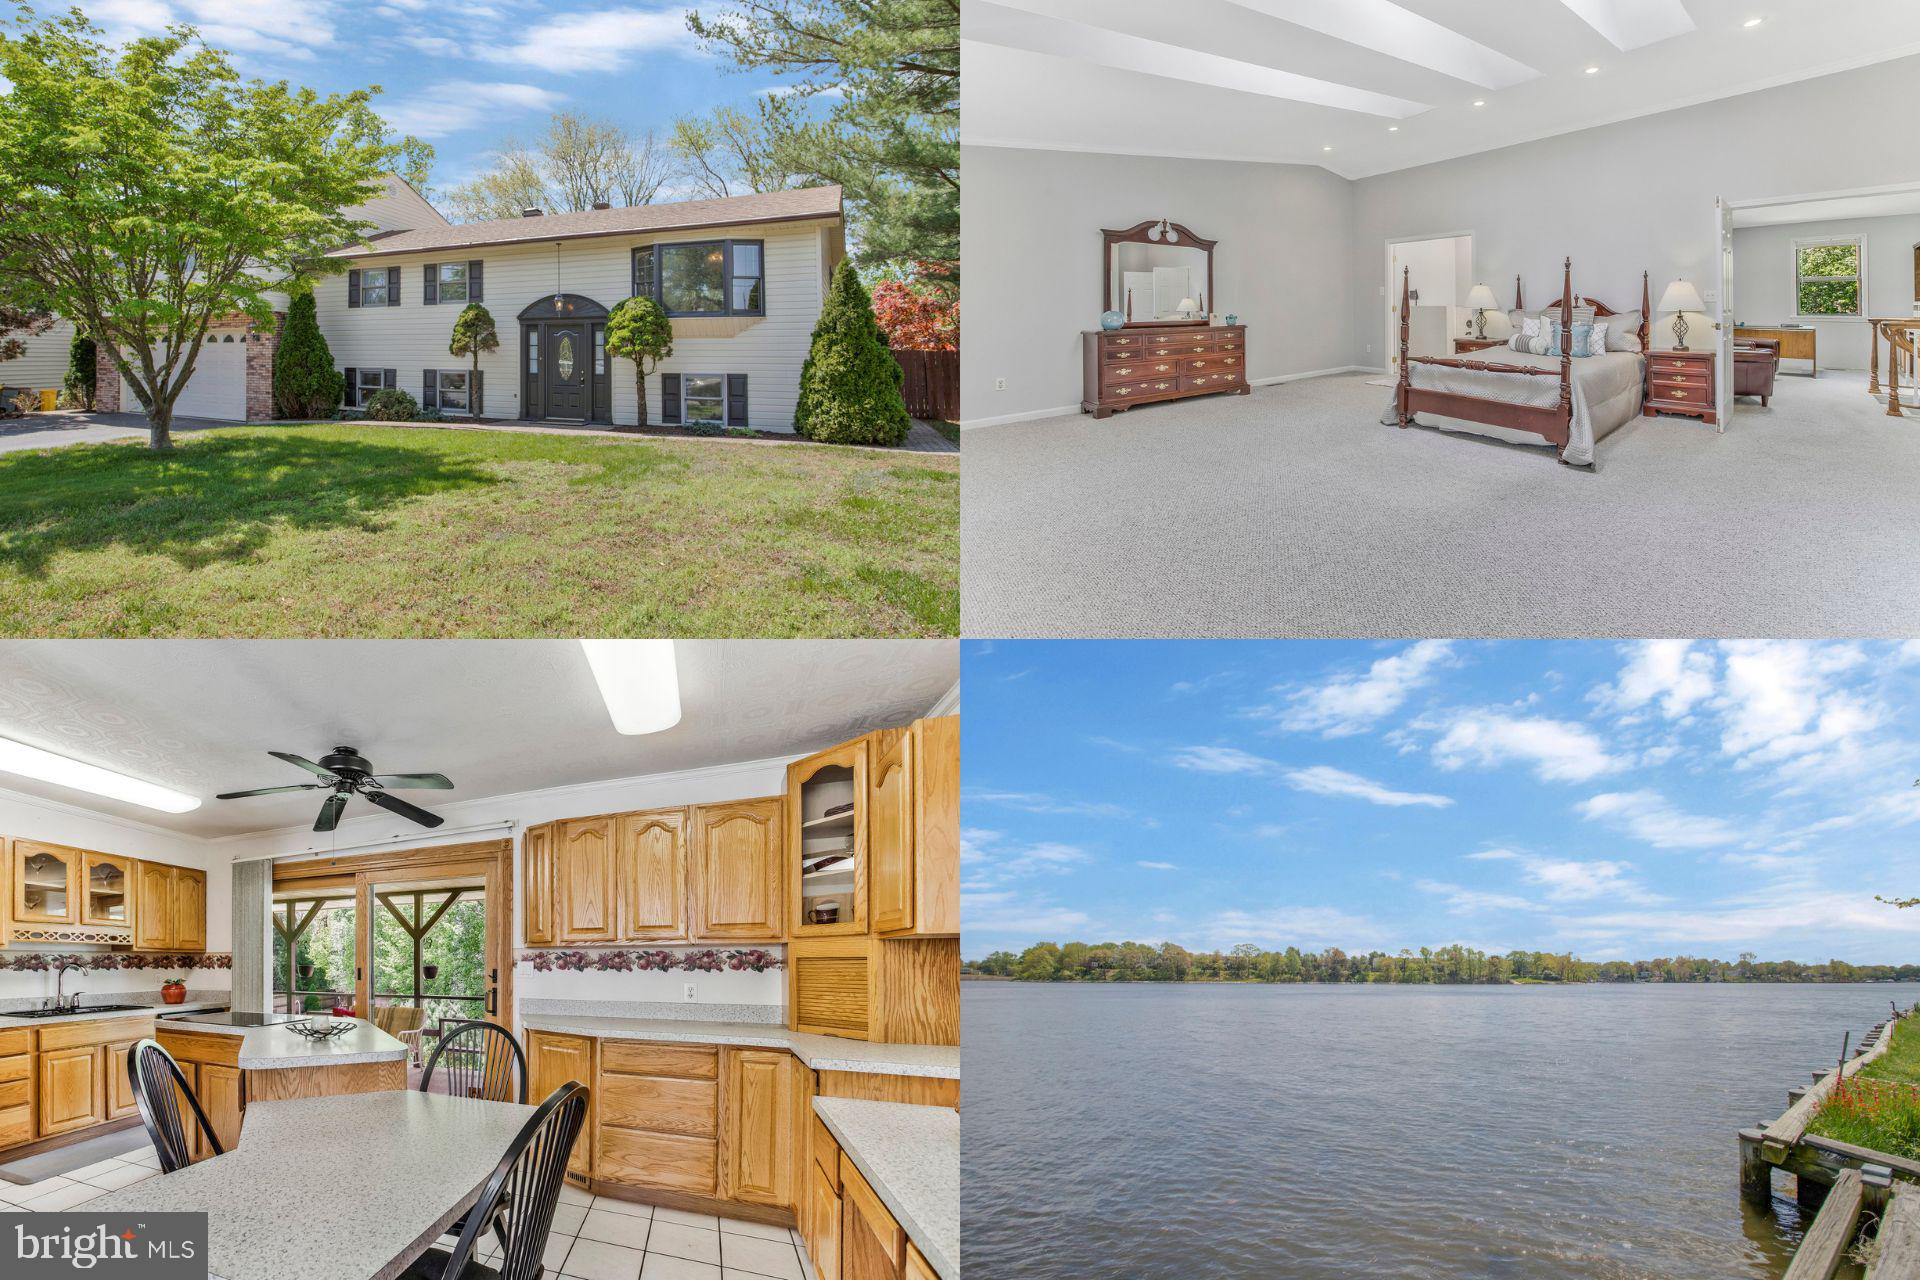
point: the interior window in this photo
(453, 282)
(1827, 277)
(453, 389)
(373, 286)
(693, 278)
(704, 396)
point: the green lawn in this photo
(1882, 1110)
(365, 530)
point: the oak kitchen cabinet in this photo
(536, 884)
(872, 1245)
(583, 878)
(757, 1105)
(56, 894)
(170, 909)
(733, 872)
(650, 872)
(659, 1121)
(78, 1075)
(826, 855)
(553, 1060)
(913, 846)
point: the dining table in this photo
(341, 1188)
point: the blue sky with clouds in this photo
(1619, 801)
(463, 74)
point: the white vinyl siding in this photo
(770, 350)
(44, 363)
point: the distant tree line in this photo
(1170, 962)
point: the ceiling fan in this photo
(347, 773)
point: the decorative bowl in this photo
(1112, 320)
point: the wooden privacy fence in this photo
(931, 387)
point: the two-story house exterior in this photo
(743, 279)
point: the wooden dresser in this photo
(1125, 367)
(1682, 382)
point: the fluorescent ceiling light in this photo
(1393, 128)
(1753, 22)
(1014, 25)
(638, 682)
(1385, 27)
(1629, 24)
(1479, 102)
(1593, 71)
(32, 762)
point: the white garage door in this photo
(218, 387)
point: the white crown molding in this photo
(947, 704)
(80, 811)
(1220, 157)
(567, 789)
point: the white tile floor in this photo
(593, 1237)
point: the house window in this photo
(599, 352)
(366, 382)
(533, 351)
(703, 278)
(704, 399)
(453, 390)
(373, 286)
(1827, 276)
(453, 282)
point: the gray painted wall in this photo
(1030, 249)
(1763, 278)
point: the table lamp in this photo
(1481, 299)
(1680, 298)
(1188, 306)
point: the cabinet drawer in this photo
(1662, 365)
(690, 1107)
(1209, 381)
(18, 1066)
(1670, 393)
(1211, 364)
(638, 1058)
(1121, 346)
(16, 1041)
(666, 1160)
(1189, 347)
(15, 1093)
(16, 1126)
(826, 1153)
(1145, 366)
(69, 1035)
(1141, 390)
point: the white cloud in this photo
(1558, 750)
(1158, 866)
(1036, 802)
(1464, 901)
(1782, 703)
(1220, 760)
(1355, 703)
(296, 30)
(1007, 912)
(1672, 672)
(602, 41)
(1648, 816)
(1324, 780)
(1571, 880)
(1796, 912)
(438, 110)
(988, 859)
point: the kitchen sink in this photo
(85, 1008)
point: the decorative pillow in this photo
(1623, 332)
(1526, 333)
(1596, 343)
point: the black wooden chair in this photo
(482, 1060)
(158, 1087)
(518, 1198)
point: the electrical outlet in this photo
(688, 988)
(999, 384)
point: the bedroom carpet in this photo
(1293, 512)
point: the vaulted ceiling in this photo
(497, 717)
(1370, 86)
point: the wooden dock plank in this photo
(1824, 1247)
(1897, 1256)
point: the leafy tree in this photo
(473, 334)
(731, 153)
(577, 163)
(638, 330)
(148, 190)
(305, 383)
(15, 319)
(850, 384)
(917, 313)
(891, 71)
(83, 374)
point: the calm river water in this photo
(1444, 1133)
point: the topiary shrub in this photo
(305, 383)
(82, 374)
(474, 334)
(850, 384)
(638, 330)
(392, 405)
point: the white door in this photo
(218, 387)
(1724, 392)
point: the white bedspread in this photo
(1608, 392)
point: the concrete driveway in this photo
(70, 426)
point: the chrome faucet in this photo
(69, 1003)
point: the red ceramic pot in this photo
(173, 992)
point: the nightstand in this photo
(1463, 345)
(1682, 382)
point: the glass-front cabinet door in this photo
(108, 896)
(827, 841)
(43, 882)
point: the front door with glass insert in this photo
(568, 361)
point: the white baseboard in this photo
(1036, 414)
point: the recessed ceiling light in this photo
(1593, 71)
(1393, 128)
(32, 762)
(1326, 148)
(1479, 102)
(1753, 22)
(638, 681)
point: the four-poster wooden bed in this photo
(1554, 422)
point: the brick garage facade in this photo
(262, 345)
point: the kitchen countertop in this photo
(8, 1021)
(910, 1156)
(821, 1053)
(346, 1188)
(276, 1048)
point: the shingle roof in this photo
(772, 206)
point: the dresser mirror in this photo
(1157, 273)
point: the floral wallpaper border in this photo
(659, 959)
(104, 961)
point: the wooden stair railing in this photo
(1902, 337)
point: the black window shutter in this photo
(353, 288)
(429, 390)
(670, 397)
(475, 386)
(430, 290)
(389, 377)
(353, 382)
(393, 286)
(736, 399)
(473, 281)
